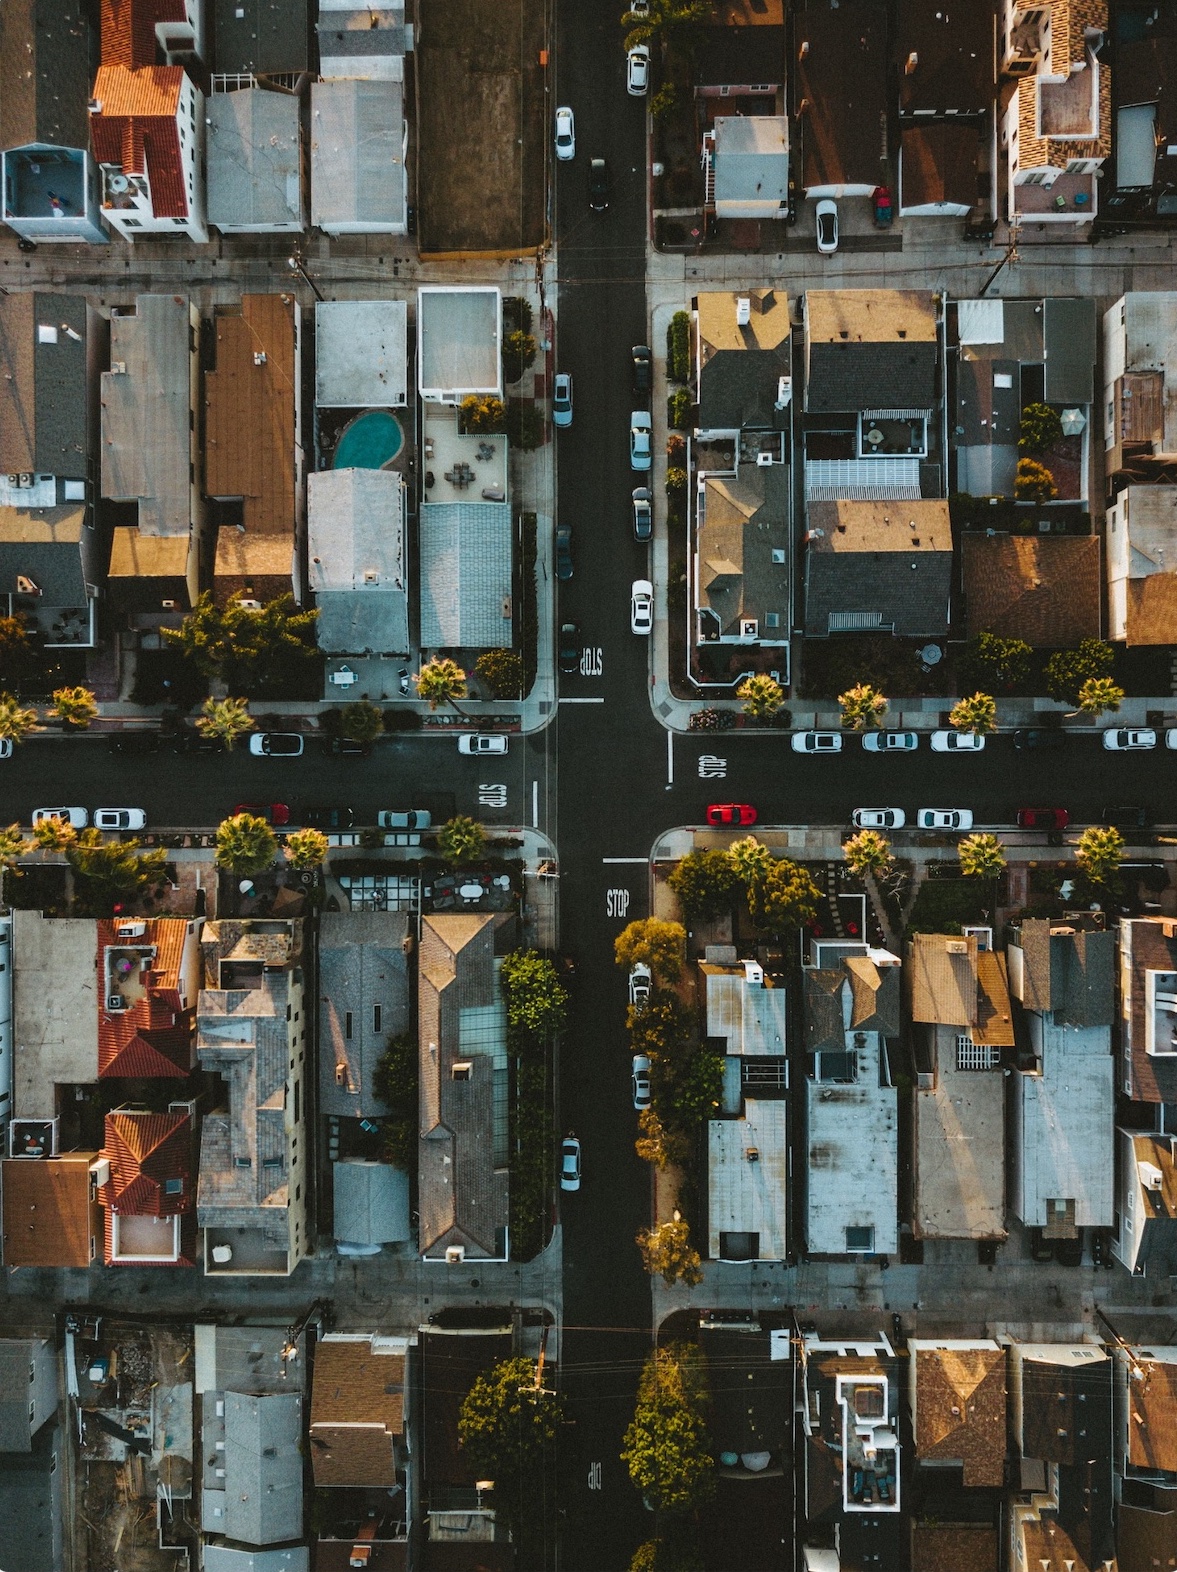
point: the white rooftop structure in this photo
(459, 339)
(853, 1158)
(358, 140)
(751, 164)
(747, 1181)
(253, 153)
(361, 354)
(356, 549)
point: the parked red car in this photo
(271, 812)
(720, 814)
(1043, 818)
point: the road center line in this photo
(624, 859)
(582, 701)
(669, 760)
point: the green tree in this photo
(362, 721)
(676, 480)
(54, 835)
(245, 844)
(750, 859)
(255, 651)
(761, 696)
(862, 707)
(868, 852)
(502, 671)
(981, 856)
(666, 1447)
(976, 714)
(508, 1426)
(461, 840)
(670, 1552)
(110, 871)
(664, 100)
(482, 415)
(704, 882)
(1033, 482)
(697, 1090)
(783, 897)
(665, 21)
(536, 1001)
(658, 1143)
(225, 719)
(13, 846)
(664, 1027)
(525, 425)
(15, 644)
(1068, 670)
(75, 708)
(1099, 694)
(678, 347)
(519, 351)
(396, 1082)
(991, 661)
(16, 722)
(306, 849)
(1041, 427)
(441, 681)
(662, 946)
(1098, 852)
(667, 1252)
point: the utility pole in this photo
(1010, 257)
(294, 263)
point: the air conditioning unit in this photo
(1150, 1176)
(341, 1073)
(250, 605)
(130, 930)
(14, 480)
(25, 481)
(115, 1003)
(956, 947)
(455, 1255)
(743, 310)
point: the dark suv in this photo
(642, 368)
(598, 182)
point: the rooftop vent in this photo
(455, 1255)
(743, 311)
(753, 1154)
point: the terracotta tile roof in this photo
(357, 1413)
(136, 129)
(960, 1410)
(128, 29)
(1045, 590)
(155, 1036)
(145, 1150)
(1152, 1415)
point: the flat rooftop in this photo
(56, 1008)
(459, 335)
(750, 1196)
(852, 1163)
(361, 354)
(960, 1155)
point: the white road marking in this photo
(535, 805)
(711, 767)
(624, 859)
(617, 903)
(669, 760)
(492, 794)
(592, 661)
(582, 701)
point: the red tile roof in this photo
(128, 29)
(144, 1150)
(155, 1037)
(136, 129)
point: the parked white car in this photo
(827, 227)
(570, 1163)
(641, 607)
(5, 747)
(120, 819)
(565, 134)
(637, 71)
(957, 742)
(878, 818)
(890, 741)
(641, 981)
(1122, 738)
(76, 818)
(640, 433)
(944, 818)
(562, 399)
(817, 742)
(404, 819)
(641, 1081)
(481, 742)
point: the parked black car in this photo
(194, 742)
(344, 748)
(1040, 739)
(1121, 818)
(563, 551)
(569, 647)
(598, 185)
(134, 742)
(643, 378)
(319, 818)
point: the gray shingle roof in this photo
(362, 970)
(851, 376)
(263, 1467)
(356, 543)
(45, 393)
(910, 593)
(253, 158)
(1072, 974)
(357, 165)
(465, 574)
(738, 388)
(44, 544)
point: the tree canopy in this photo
(306, 849)
(107, 872)
(245, 844)
(981, 856)
(761, 696)
(260, 652)
(749, 858)
(1100, 694)
(507, 1426)
(783, 896)
(1068, 670)
(868, 852)
(666, 1446)
(662, 946)
(1098, 852)
(16, 722)
(75, 707)
(862, 707)
(536, 1000)
(461, 839)
(667, 1252)
(226, 720)
(991, 661)
(362, 721)
(976, 714)
(502, 671)
(704, 882)
(440, 681)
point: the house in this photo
(358, 1418)
(852, 1476)
(1146, 1536)
(1146, 1211)
(149, 1194)
(882, 567)
(1061, 1401)
(361, 354)
(28, 1392)
(1013, 353)
(148, 978)
(356, 527)
(751, 1410)
(1062, 1096)
(1044, 589)
(359, 138)
(257, 39)
(743, 363)
(1057, 128)
(748, 1149)
(1148, 1005)
(254, 160)
(253, 447)
(50, 1210)
(1144, 102)
(249, 1386)
(957, 1393)
(463, 1151)
(840, 97)
(939, 169)
(251, 1032)
(1144, 1434)
(1140, 426)
(48, 175)
(452, 1359)
(944, 62)
(365, 42)
(467, 527)
(1141, 539)
(363, 1003)
(851, 1005)
(962, 1029)
(371, 1203)
(55, 1010)
(746, 164)
(147, 119)
(151, 457)
(50, 561)
(32, 1534)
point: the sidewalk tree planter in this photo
(75, 708)
(361, 721)
(762, 696)
(441, 681)
(245, 844)
(1098, 852)
(662, 946)
(306, 849)
(1068, 670)
(16, 721)
(227, 720)
(750, 859)
(460, 840)
(667, 1252)
(678, 409)
(863, 707)
(678, 347)
(868, 852)
(666, 1446)
(1098, 695)
(981, 856)
(976, 714)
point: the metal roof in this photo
(254, 158)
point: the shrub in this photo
(481, 414)
(761, 696)
(663, 100)
(704, 882)
(524, 424)
(676, 483)
(678, 409)
(1033, 482)
(517, 314)
(678, 347)
(1041, 427)
(1068, 670)
(992, 662)
(519, 351)
(502, 671)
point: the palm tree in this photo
(16, 722)
(862, 706)
(306, 849)
(75, 708)
(750, 859)
(461, 840)
(441, 681)
(245, 844)
(761, 695)
(54, 835)
(981, 856)
(224, 719)
(977, 714)
(362, 721)
(12, 846)
(868, 852)
(1099, 694)
(1098, 852)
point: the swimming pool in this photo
(371, 441)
